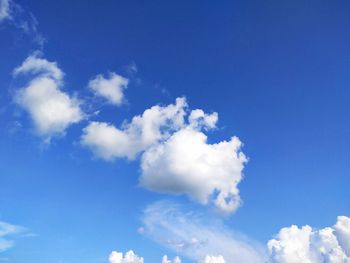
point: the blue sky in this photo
(275, 72)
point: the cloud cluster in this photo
(6, 232)
(131, 257)
(327, 245)
(176, 157)
(197, 236)
(110, 88)
(51, 109)
(5, 10)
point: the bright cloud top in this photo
(110, 88)
(176, 157)
(4, 10)
(51, 109)
(129, 257)
(306, 245)
(186, 163)
(197, 236)
(7, 231)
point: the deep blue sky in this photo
(277, 72)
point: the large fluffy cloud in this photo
(108, 142)
(51, 109)
(176, 157)
(4, 10)
(306, 245)
(186, 163)
(110, 88)
(197, 236)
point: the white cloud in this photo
(51, 109)
(108, 142)
(306, 245)
(5, 10)
(111, 88)
(342, 231)
(129, 257)
(176, 157)
(187, 164)
(8, 231)
(166, 260)
(214, 259)
(197, 236)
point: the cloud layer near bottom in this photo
(196, 236)
(207, 240)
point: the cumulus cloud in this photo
(187, 164)
(129, 257)
(176, 157)
(110, 88)
(7, 232)
(5, 10)
(109, 142)
(307, 245)
(197, 236)
(51, 109)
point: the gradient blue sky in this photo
(277, 73)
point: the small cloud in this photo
(8, 232)
(132, 69)
(5, 12)
(110, 88)
(51, 109)
(129, 257)
(141, 230)
(21, 19)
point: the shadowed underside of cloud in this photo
(175, 155)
